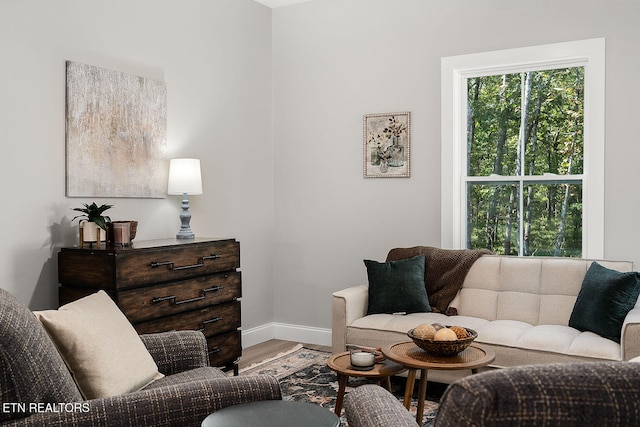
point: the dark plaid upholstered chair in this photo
(36, 388)
(373, 406)
(563, 394)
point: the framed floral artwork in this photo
(387, 141)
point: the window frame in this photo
(455, 70)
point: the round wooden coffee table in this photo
(413, 358)
(341, 364)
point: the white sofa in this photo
(520, 307)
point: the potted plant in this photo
(92, 219)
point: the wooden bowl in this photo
(444, 348)
(133, 228)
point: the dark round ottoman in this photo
(272, 413)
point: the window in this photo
(523, 149)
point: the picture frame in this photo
(387, 144)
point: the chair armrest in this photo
(560, 394)
(186, 404)
(177, 351)
(372, 406)
(347, 305)
(630, 339)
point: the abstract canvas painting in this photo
(116, 127)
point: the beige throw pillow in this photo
(99, 345)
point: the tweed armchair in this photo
(562, 394)
(36, 388)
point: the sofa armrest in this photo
(177, 351)
(347, 305)
(372, 406)
(630, 339)
(560, 394)
(185, 404)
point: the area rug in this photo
(304, 376)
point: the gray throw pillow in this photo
(397, 286)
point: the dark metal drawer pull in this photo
(172, 266)
(173, 298)
(214, 351)
(208, 322)
(214, 320)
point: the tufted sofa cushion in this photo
(512, 340)
(538, 291)
(31, 369)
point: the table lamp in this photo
(185, 179)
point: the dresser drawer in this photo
(211, 320)
(224, 349)
(178, 297)
(116, 268)
(176, 262)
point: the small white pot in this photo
(90, 232)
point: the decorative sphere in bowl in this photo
(444, 347)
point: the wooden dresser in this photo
(163, 285)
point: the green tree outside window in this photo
(525, 155)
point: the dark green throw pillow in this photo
(397, 286)
(604, 300)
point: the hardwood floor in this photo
(258, 353)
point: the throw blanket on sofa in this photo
(444, 272)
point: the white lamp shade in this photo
(184, 176)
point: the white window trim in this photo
(588, 53)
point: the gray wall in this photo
(215, 57)
(335, 60)
(272, 103)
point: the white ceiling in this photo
(278, 3)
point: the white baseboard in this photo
(283, 331)
(258, 335)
